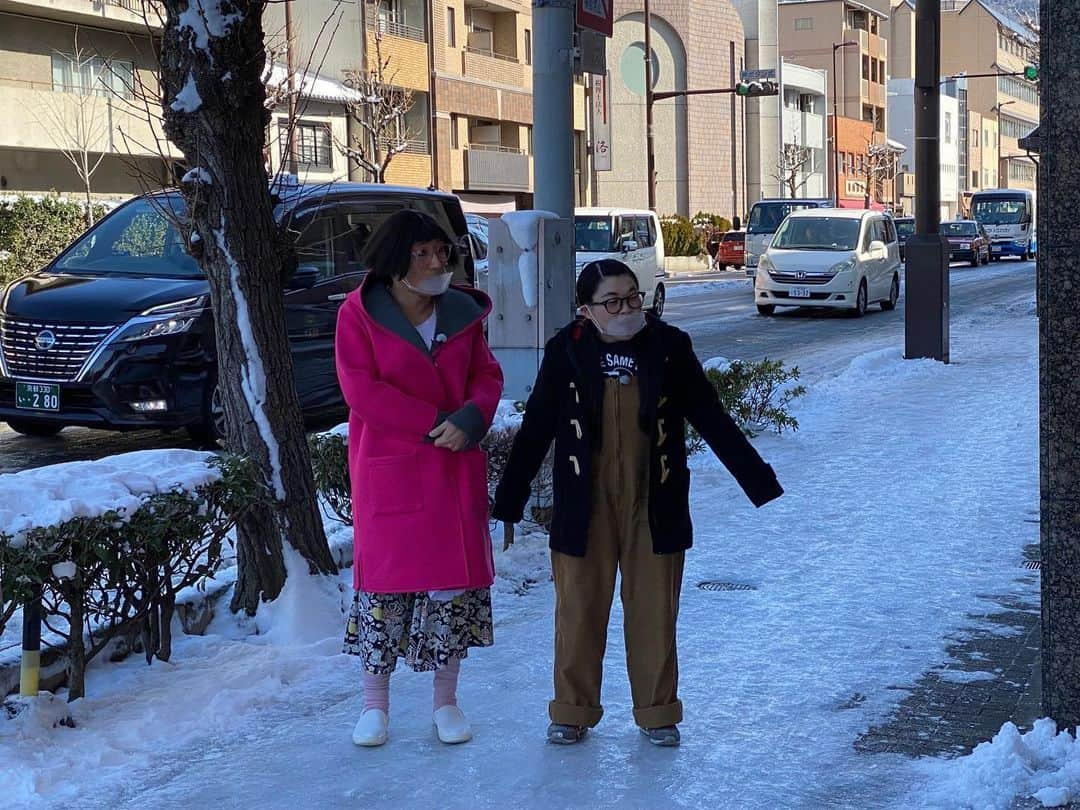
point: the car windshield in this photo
(905, 228)
(959, 229)
(766, 217)
(1000, 212)
(593, 235)
(138, 239)
(817, 233)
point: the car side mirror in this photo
(305, 277)
(878, 249)
(629, 245)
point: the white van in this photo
(629, 235)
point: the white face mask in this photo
(622, 326)
(432, 286)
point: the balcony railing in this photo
(396, 28)
(415, 146)
(492, 54)
(496, 168)
(487, 147)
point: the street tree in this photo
(214, 109)
(791, 167)
(878, 165)
(1059, 364)
(378, 109)
(77, 118)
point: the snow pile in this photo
(687, 289)
(205, 19)
(197, 175)
(525, 231)
(507, 416)
(187, 99)
(309, 609)
(1042, 764)
(49, 496)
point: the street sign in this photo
(758, 75)
(596, 15)
(592, 47)
(601, 122)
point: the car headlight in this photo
(842, 267)
(173, 318)
(764, 263)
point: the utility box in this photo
(531, 282)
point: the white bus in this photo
(1008, 214)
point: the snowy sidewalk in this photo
(908, 486)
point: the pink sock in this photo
(377, 692)
(446, 679)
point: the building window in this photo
(313, 144)
(1012, 128)
(948, 127)
(881, 71)
(974, 179)
(1022, 172)
(804, 24)
(528, 47)
(865, 66)
(451, 28)
(93, 75)
(1020, 90)
(453, 131)
(529, 138)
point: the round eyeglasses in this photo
(614, 305)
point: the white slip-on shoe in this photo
(452, 725)
(371, 728)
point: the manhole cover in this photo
(1034, 565)
(713, 585)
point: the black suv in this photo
(117, 332)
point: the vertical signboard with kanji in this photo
(601, 122)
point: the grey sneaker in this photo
(666, 736)
(562, 734)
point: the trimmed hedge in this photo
(34, 230)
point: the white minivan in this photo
(830, 257)
(629, 235)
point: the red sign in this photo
(596, 15)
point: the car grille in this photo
(791, 278)
(62, 361)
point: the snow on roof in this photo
(312, 86)
(855, 3)
(1005, 21)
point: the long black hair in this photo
(388, 252)
(595, 272)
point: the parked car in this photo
(117, 332)
(905, 227)
(834, 258)
(731, 251)
(478, 238)
(632, 236)
(968, 241)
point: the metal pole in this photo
(926, 313)
(553, 107)
(835, 130)
(290, 66)
(734, 139)
(30, 666)
(650, 155)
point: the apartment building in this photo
(861, 147)
(995, 43)
(803, 133)
(814, 33)
(952, 144)
(72, 79)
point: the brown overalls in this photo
(619, 539)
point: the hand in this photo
(449, 436)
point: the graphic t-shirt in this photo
(619, 360)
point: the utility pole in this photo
(1059, 365)
(290, 66)
(650, 154)
(926, 314)
(553, 106)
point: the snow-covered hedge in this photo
(110, 543)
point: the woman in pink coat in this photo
(422, 388)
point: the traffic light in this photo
(1031, 73)
(754, 89)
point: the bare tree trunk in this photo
(219, 121)
(76, 665)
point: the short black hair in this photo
(388, 253)
(595, 272)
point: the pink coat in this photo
(420, 513)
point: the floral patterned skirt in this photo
(383, 627)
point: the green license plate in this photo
(37, 396)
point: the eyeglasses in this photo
(614, 305)
(442, 251)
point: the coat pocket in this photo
(395, 485)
